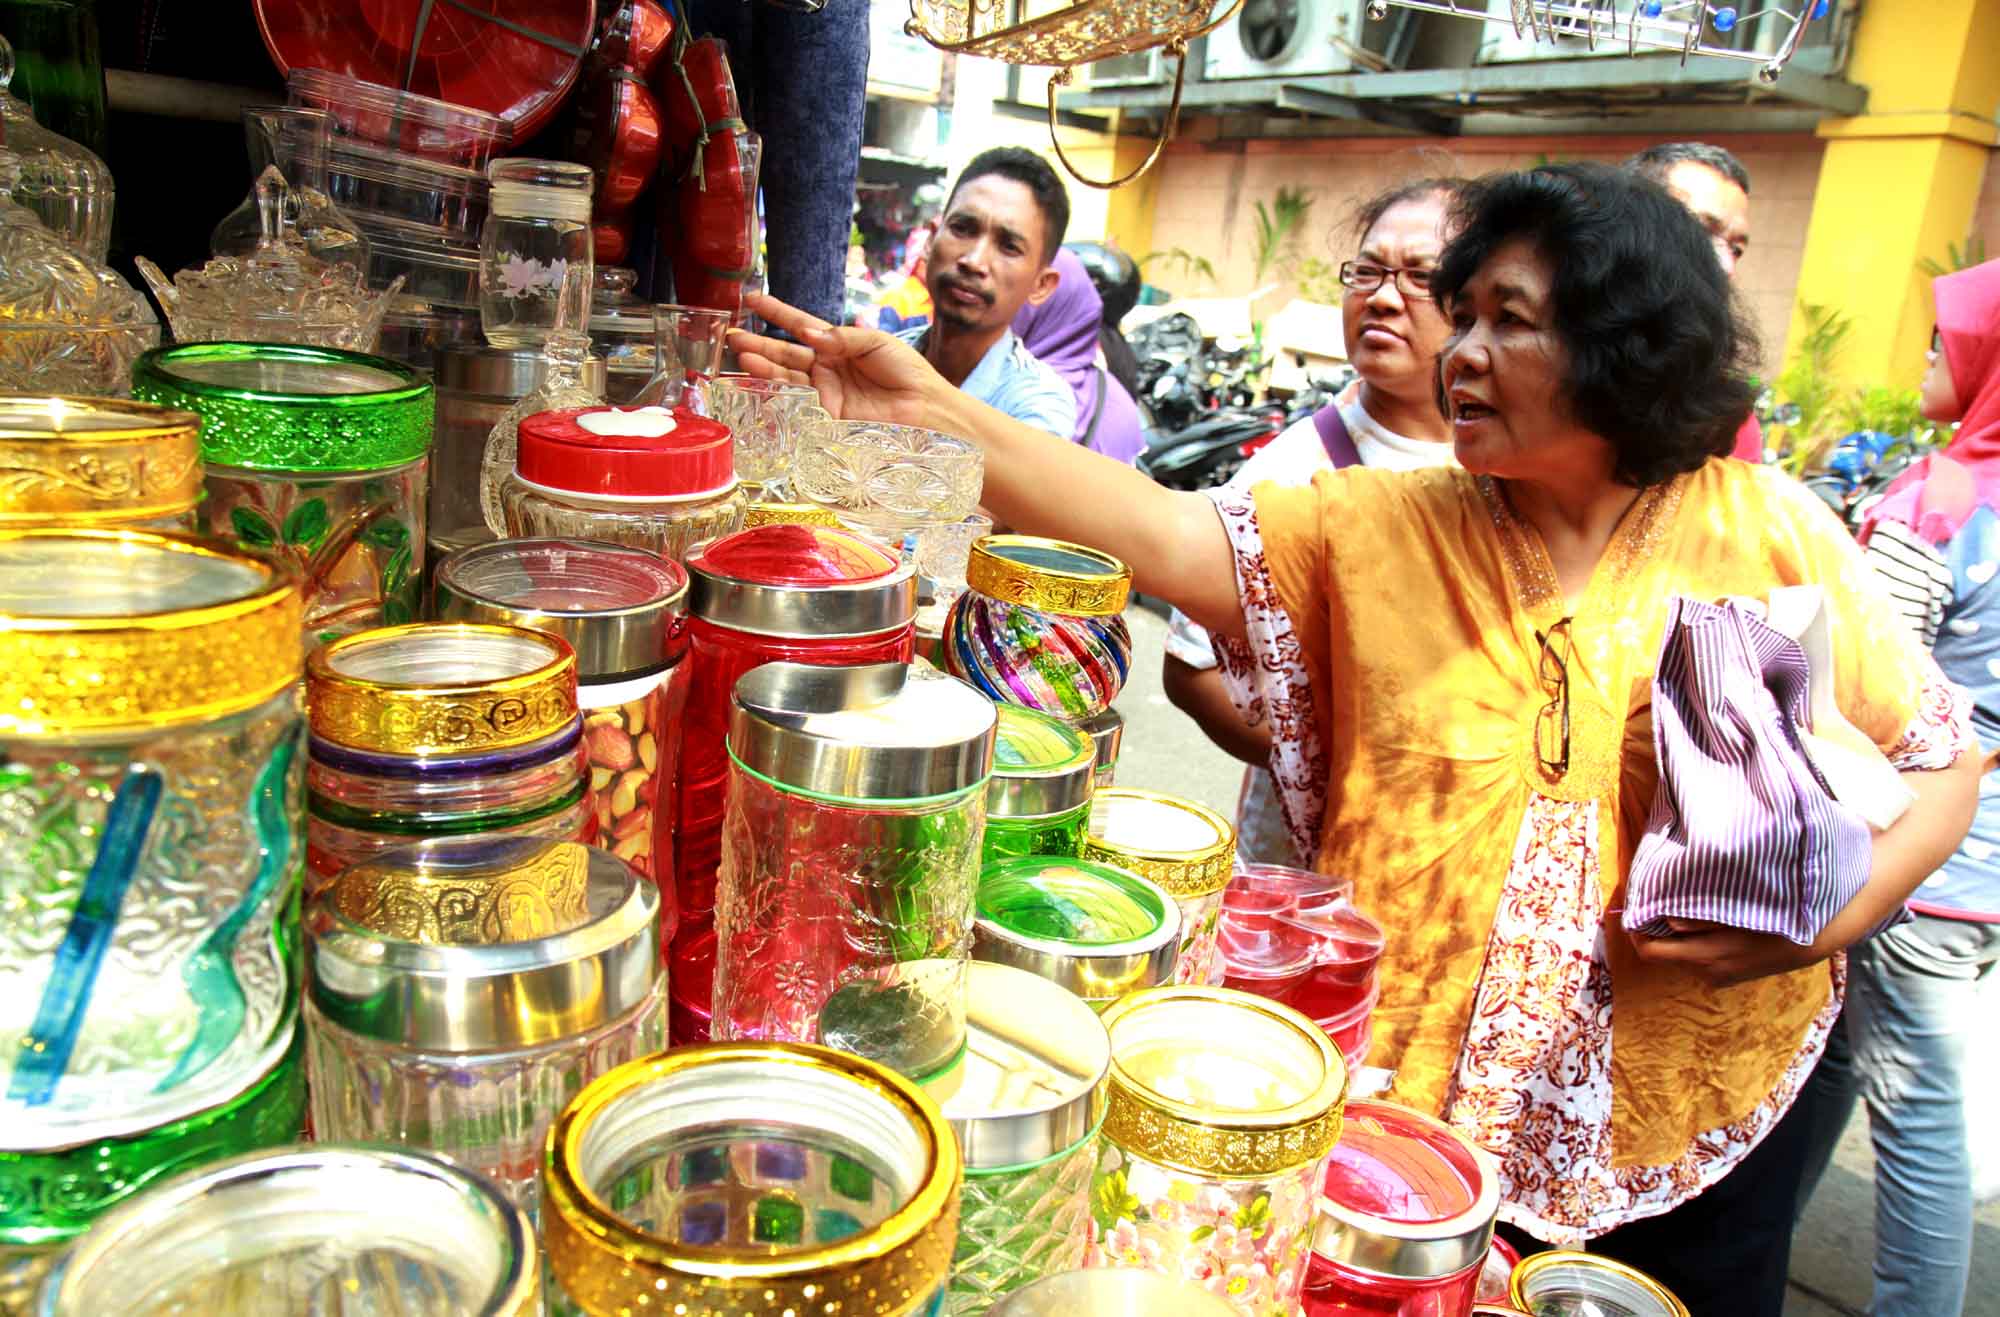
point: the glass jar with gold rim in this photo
(97, 462)
(1187, 848)
(150, 836)
(1560, 1283)
(743, 1179)
(1041, 625)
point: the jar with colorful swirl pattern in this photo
(1041, 625)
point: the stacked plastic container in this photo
(1297, 938)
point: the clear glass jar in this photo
(537, 229)
(1099, 932)
(850, 853)
(1038, 803)
(1565, 1284)
(343, 1232)
(457, 935)
(1404, 1220)
(1025, 1103)
(150, 832)
(294, 139)
(97, 462)
(687, 351)
(1223, 1109)
(1107, 732)
(1186, 848)
(1041, 625)
(765, 419)
(750, 1177)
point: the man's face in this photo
(987, 260)
(1721, 206)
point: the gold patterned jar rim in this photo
(1609, 1278)
(215, 631)
(88, 461)
(471, 687)
(1052, 576)
(788, 514)
(608, 1264)
(1168, 1043)
(1200, 869)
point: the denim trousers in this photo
(1912, 1013)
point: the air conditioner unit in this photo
(1288, 39)
(1145, 69)
(1562, 36)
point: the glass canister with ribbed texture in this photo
(1186, 848)
(1038, 802)
(1042, 625)
(97, 462)
(1094, 929)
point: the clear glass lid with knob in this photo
(62, 182)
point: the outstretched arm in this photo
(1036, 482)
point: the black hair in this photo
(1660, 355)
(1655, 162)
(1033, 173)
(1371, 211)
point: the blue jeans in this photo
(1911, 1014)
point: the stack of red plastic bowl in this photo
(1297, 938)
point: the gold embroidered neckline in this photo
(1632, 545)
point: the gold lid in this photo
(1053, 576)
(89, 461)
(103, 630)
(796, 514)
(1221, 1083)
(1188, 849)
(607, 1264)
(1592, 1276)
(441, 688)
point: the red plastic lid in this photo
(558, 450)
(1398, 1178)
(790, 554)
(1261, 943)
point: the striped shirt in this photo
(1915, 574)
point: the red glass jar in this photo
(800, 594)
(1404, 1219)
(690, 988)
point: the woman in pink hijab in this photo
(1062, 331)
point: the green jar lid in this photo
(1041, 766)
(291, 408)
(1093, 928)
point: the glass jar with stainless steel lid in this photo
(1042, 625)
(1566, 1284)
(1098, 931)
(418, 964)
(97, 462)
(311, 1229)
(1044, 771)
(1107, 733)
(751, 1178)
(1187, 848)
(1025, 1102)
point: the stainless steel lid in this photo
(868, 732)
(1111, 1292)
(482, 944)
(1096, 930)
(621, 609)
(1405, 1195)
(787, 579)
(1031, 1083)
(1041, 766)
(1107, 732)
(502, 373)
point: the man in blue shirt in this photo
(1001, 228)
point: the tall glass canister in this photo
(751, 1178)
(1186, 848)
(317, 455)
(850, 850)
(1223, 1108)
(1041, 625)
(1039, 800)
(459, 993)
(97, 462)
(1097, 931)
(1025, 1103)
(150, 841)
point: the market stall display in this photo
(1041, 625)
(1188, 849)
(94, 462)
(1098, 931)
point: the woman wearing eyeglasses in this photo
(1457, 664)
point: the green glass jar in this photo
(1097, 930)
(315, 454)
(1038, 801)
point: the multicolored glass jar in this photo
(313, 1229)
(459, 993)
(1186, 848)
(624, 612)
(150, 839)
(751, 1178)
(97, 462)
(1564, 1284)
(1025, 1103)
(1107, 733)
(314, 454)
(1404, 1219)
(1223, 1108)
(1124, 1292)
(850, 851)
(1040, 625)
(1039, 800)
(1098, 931)
(798, 593)
(441, 729)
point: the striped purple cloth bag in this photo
(1744, 829)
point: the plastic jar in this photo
(624, 612)
(1039, 800)
(284, 1231)
(1107, 733)
(750, 1178)
(1404, 1220)
(850, 851)
(1025, 1103)
(1564, 1284)
(459, 993)
(1041, 625)
(441, 729)
(314, 454)
(1099, 932)
(149, 769)
(1223, 1108)
(803, 594)
(97, 462)
(648, 478)
(1186, 848)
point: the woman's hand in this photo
(1724, 957)
(861, 374)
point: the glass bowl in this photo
(887, 479)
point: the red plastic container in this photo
(1295, 937)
